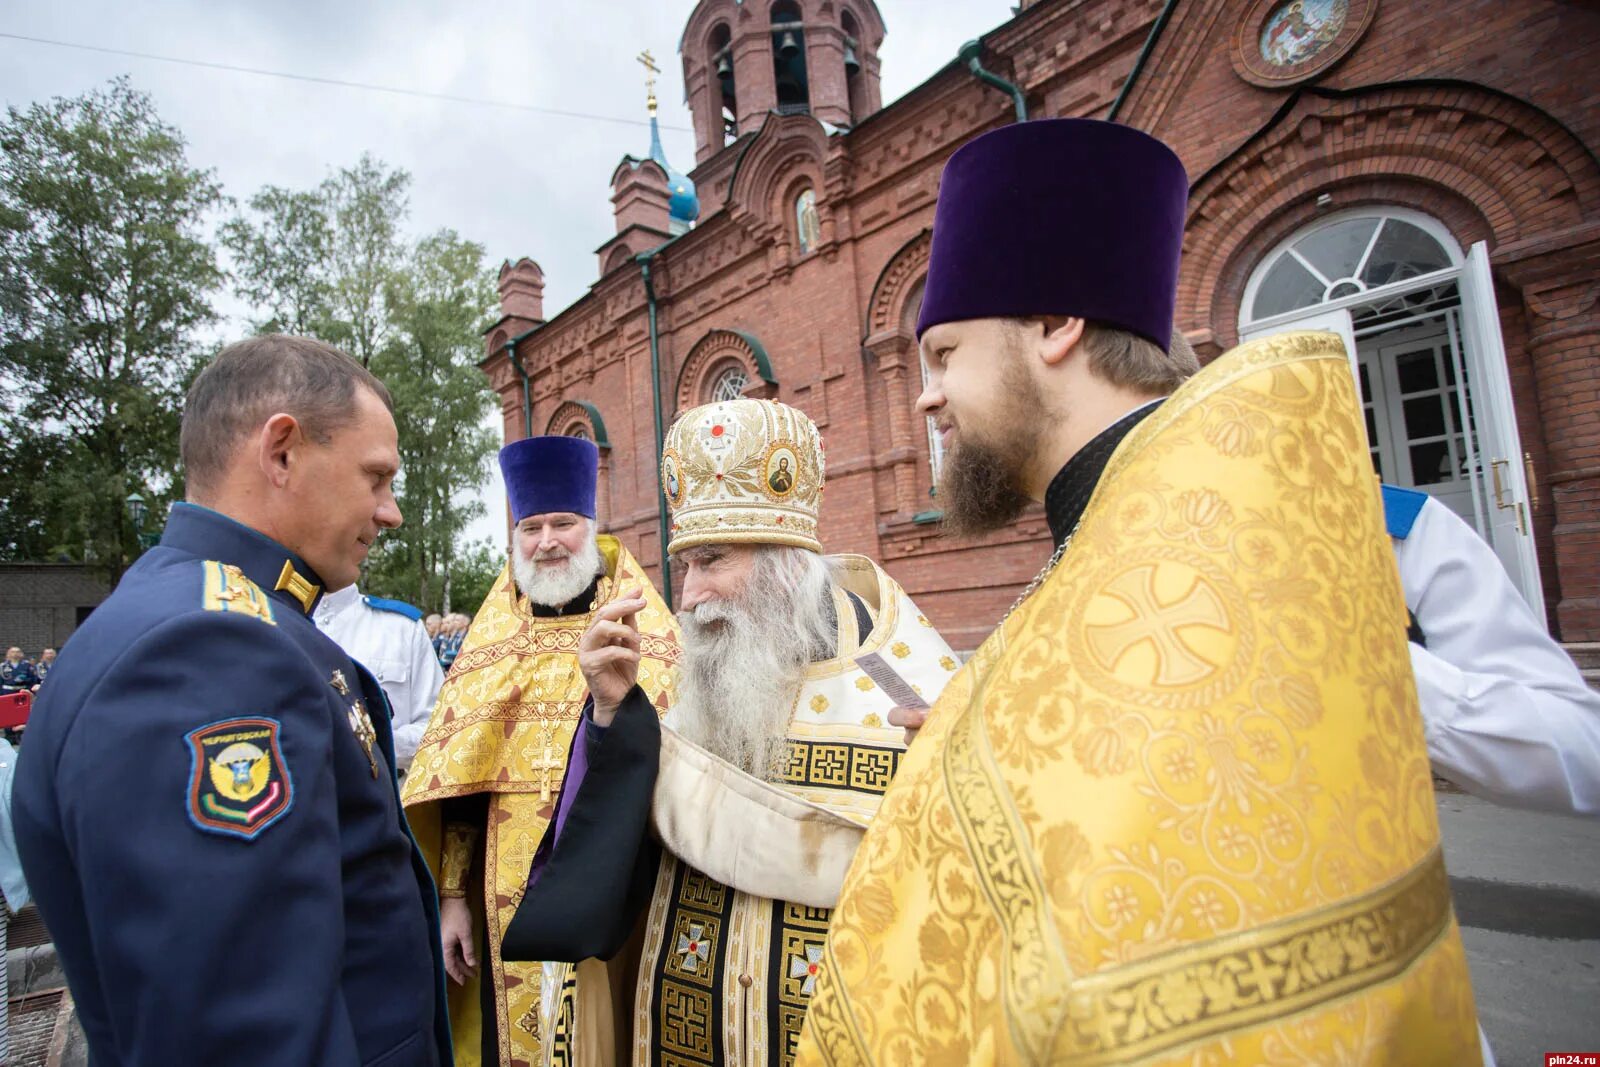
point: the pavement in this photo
(1527, 895)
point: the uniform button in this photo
(746, 981)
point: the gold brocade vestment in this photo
(750, 869)
(1178, 808)
(503, 726)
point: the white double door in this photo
(1437, 400)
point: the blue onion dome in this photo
(685, 203)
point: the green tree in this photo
(439, 302)
(105, 283)
(332, 262)
(319, 262)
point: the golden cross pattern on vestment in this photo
(548, 762)
(648, 62)
(1158, 623)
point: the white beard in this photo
(553, 587)
(745, 659)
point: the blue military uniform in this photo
(208, 818)
(17, 676)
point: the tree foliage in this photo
(331, 262)
(105, 286)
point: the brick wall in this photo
(1482, 115)
(40, 602)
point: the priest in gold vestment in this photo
(1177, 808)
(702, 857)
(480, 791)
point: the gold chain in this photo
(1038, 579)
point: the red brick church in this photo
(1419, 175)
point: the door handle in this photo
(1499, 487)
(1533, 484)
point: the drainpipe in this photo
(527, 389)
(643, 260)
(970, 55)
(1144, 54)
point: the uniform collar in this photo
(199, 531)
(336, 602)
(1071, 488)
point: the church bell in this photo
(852, 65)
(724, 68)
(787, 45)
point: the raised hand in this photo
(608, 654)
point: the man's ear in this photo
(1061, 336)
(276, 446)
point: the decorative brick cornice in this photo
(1511, 164)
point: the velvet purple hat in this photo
(1071, 217)
(545, 474)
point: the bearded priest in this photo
(1177, 808)
(704, 855)
(482, 788)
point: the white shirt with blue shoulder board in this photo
(388, 638)
(1507, 714)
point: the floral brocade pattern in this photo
(1178, 808)
(503, 726)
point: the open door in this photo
(1338, 322)
(1502, 469)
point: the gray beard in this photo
(553, 587)
(745, 660)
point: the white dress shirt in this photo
(1507, 714)
(396, 649)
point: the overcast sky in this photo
(522, 183)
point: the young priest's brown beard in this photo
(981, 485)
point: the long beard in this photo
(981, 483)
(553, 587)
(744, 662)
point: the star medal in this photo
(361, 724)
(340, 686)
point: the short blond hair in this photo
(1133, 362)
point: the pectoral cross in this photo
(547, 763)
(648, 62)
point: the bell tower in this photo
(742, 60)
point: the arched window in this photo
(578, 430)
(808, 227)
(728, 382)
(908, 321)
(1346, 256)
(789, 59)
(720, 53)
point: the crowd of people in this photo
(18, 673)
(446, 632)
(1178, 802)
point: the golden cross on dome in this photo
(648, 62)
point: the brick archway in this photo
(890, 340)
(711, 355)
(1491, 168)
(1487, 165)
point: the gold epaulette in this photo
(227, 589)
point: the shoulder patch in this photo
(399, 607)
(1400, 510)
(238, 782)
(227, 589)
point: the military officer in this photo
(208, 815)
(47, 660)
(388, 638)
(16, 672)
